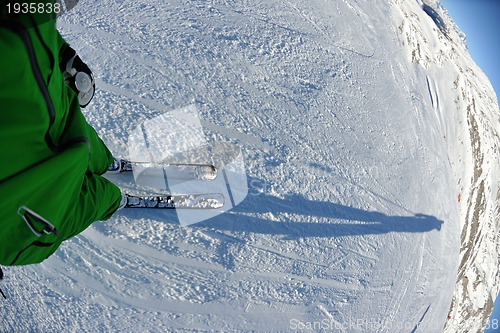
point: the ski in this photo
(177, 201)
(198, 171)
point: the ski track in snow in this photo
(343, 144)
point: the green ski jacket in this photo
(51, 158)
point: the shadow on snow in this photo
(361, 222)
(320, 219)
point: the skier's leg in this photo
(100, 156)
(99, 199)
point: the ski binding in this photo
(177, 201)
(198, 171)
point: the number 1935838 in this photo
(33, 8)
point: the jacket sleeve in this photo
(62, 44)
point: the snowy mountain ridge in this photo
(371, 145)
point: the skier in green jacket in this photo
(51, 186)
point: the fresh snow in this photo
(360, 122)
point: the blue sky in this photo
(495, 316)
(480, 20)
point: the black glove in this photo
(78, 75)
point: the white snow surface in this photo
(360, 122)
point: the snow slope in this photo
(356, 140)
(467, 108)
